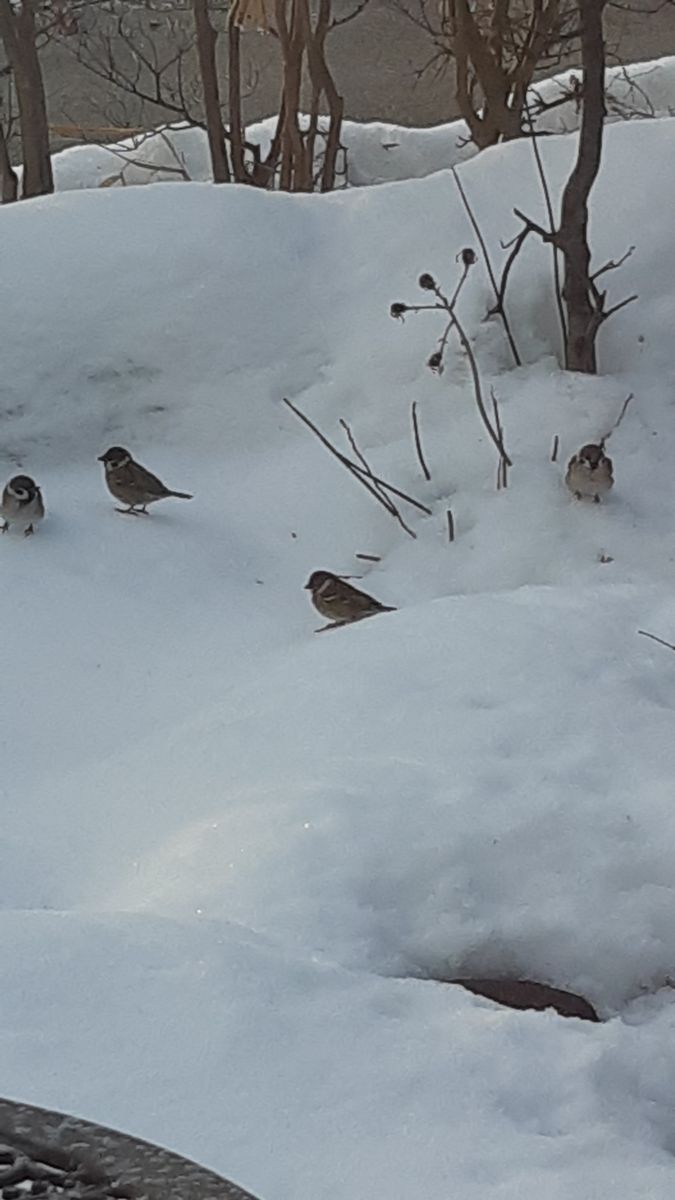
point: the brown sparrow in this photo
(21, 505)
(132, 484)
(339, 601)
(589, 473)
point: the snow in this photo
(376, 151)
(234, 855)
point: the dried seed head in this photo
(468, 256)
(435, 362)
(397, 310)
(427, 282)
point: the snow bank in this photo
(376, 152)
(233, 853)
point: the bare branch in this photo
(654, 638)
(418, 443)
(499, 306)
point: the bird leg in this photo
(4, 527)
(131, 511)
(28, 531)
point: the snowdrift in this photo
(376, 151)
(234, 855)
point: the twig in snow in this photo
(365, 464)
(668, 645)
(498, 308)
(554, 451)
(503, 466)
(369, 481)
(451, 525)
(618, 421)
(369, 557)
(551, 220)
(418, 443)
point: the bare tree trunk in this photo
(296, 169)
(18, 33)
(583, 317)
(208, 69)
(322, 81)
(9, 180)
(234, 96)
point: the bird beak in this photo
(101, 458)
(308, 587)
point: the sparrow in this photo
(21, 504)
(589, 473)
(132, 484)
(339, 601)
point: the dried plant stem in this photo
(495, 434)
(619, 419)
(366, 466)
(364, 475)
(554, 451)
(551, 220)
(499, 308)
(654, 638)
(451, 525)
(418, 443)
(502, 468)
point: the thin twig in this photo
(451, 525)
(499, 308)
(551, 220)
(418, 443)
(366, 478)
(478, 391)
(622, 304)
(654, 638)
(366, 465)
(369, 557)
(618, 421)
(554, 451)
(613, 265)
(502, 469)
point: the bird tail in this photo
(388, 608)
(182, 495)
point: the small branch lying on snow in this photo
(668, 645)
(554, 451)
(369, 557)
(451, 525)
(366, 466)
(618, 421)
(418, 443)
(372, 483)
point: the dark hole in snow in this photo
(526, 994)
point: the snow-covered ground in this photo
(232, 853)
(376, 152)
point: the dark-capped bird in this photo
(590, 473)
(339, 602)
(21, 505)
(132, 484)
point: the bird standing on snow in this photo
(589, 473)
(21, 504)
(339, 601)
(132, 484)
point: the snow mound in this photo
(234, 855)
